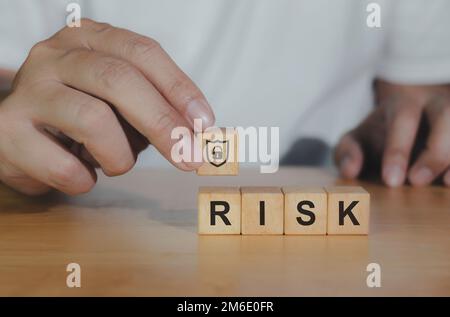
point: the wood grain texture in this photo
(225, 216)
(355, 218)
(136, 235)
(273, 210)
(316, 203)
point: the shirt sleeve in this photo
(24, 23)
(417, 49)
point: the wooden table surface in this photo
(137, 235)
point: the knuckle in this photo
(395, 155)
(93, 114)
(40, 48)
(74, 56)
(164, 121)
(159, 124)
(113, 72)
(183, 90)
(141, 46)
(64, 173)
(77, 52)
(175, 86)
(94, 25)
(86, 25)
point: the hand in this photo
(88, 95)
(407, 136)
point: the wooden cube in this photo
(305, 210)
(262, 210)
(348, 210)
(219, 210)
(220, 152)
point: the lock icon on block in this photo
(217, 153)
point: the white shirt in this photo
(304, 66)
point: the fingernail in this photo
(423, 176)
(394, 175)
(200, 109)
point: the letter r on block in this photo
(219, 210)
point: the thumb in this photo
(349, 157)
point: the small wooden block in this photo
(220, 152)
(219, 210)
(262, 210)
(305, 210)
(348, 210)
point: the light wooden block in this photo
(220, 152)
(348, 210)
(262, 210)
(219, 210)
(305, 210)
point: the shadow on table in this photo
(14, 202)
(101, 199)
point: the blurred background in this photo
(306, 67)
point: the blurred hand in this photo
(389, 139)
(88, 96)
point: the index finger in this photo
(148, 56)
(402, 126)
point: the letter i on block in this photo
(220, 152)
(219, 210)
(262, 210)
(305, 210)
(348, 210)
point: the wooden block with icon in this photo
(348, 210)
(219, 210)
(220, 152)
(262, 210)
(305, 210)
